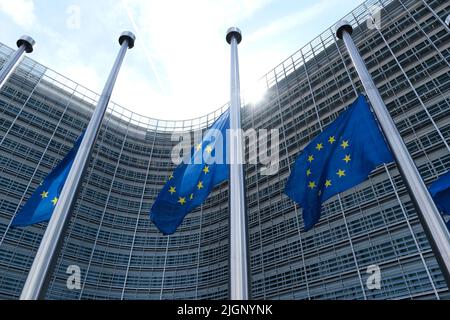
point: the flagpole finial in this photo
(26, 41)
(127, 36)
(342, 26)
(234, 32)
(447, 21)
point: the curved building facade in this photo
(121, 254)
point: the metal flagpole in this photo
(429, 215)
(238, 224)
(24, 44)
(41, 264)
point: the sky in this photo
(180, 66)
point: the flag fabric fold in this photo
(341, 157)
(192, 181)
(440, 191)
(39, 208)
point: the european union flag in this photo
(440, 191)
(191, 183)
(341, 157)
(40, 206)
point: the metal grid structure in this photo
(121, 254)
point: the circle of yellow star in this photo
(171, 177)
(328, 184)
(199, 146)
(200, 185)
(319, 146)
(182, 201)
(312, 185)
(209, 149)
(308, 172)
(311, 159)
(55, 201)
(191, 197)
(172, 190)
(345, 144)
(332, 140)
(341, 173)
(44, 194)
(347, 159)
(206, 170)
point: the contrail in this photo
(147, 54)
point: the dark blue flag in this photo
(341, 157)
(191, 183)
(40, 206)
(440, 191)
(447, 223)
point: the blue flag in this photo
(191, 183)
(440, 191)
(40, 206)
(341, 157)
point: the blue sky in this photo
(179, 68)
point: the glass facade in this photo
(119, 251)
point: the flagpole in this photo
(24, 44)
(39, 271)
(429, 215)
(238, 225)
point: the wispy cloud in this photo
(293, 20)
(144, 46)
(186, 49)
(179, 68)
(21, 11)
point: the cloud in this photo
(83, 74)
(21, 11)
(179, 68)
(134, 92)
(188, 58)
(293, 20)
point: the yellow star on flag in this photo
(347, 159)
(209, 149)
(308, 172)
(311, 159)
(206, 170)
(319, 146)
(200, 185)
(328, 184)
(44, 194)
(182, 201)
(332, 140)
(191, 197)
(345, 144)
(199, 146)
(312, 185)
(172, 190)
(171, 177)
(55, 201)
(341, 173)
